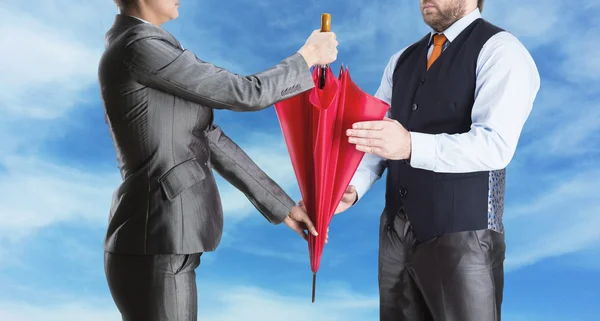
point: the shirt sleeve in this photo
(506, 87)
(372, 166)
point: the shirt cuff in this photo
(423, 151)
(359, 187)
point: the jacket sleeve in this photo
(235, 166)
(158, 63)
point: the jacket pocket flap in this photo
(181, 177)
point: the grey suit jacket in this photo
(158, 100)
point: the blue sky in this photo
(58, 168)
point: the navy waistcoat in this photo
(434, 101)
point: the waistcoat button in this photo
(402, 191)
(415, 107)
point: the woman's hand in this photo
(299, 221)
(320, 48)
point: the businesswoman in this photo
(158, 100)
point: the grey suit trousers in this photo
(455, 277)
(153, 287)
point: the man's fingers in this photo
(370, 150)
(365, 133)
(372, 125)
(366, 141)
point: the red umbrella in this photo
(314, 124)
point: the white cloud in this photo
(38, 193)
(587, 260)
(534, 20)
(296, 256)
(234, 303)
(83, 195)
(52, 60)
(563, 219)
(252, 303)
(49, 72)
(44, 78)
(561, 26)
(581, 65)
(533, 316)
(46, 66)
(563, 124)
(68, 311)
(218, 302)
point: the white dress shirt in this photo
(506, 86)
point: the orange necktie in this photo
(438, 42)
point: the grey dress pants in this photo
(153, 287)
(455, 277)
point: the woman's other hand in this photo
(299, 221)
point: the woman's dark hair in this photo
(480, 4)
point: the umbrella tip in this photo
(314, 283)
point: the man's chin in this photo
(430, 20)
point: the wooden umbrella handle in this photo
(325, 27)
(325, 22)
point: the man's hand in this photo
(386, 138)
(299, 221)
(320, 48)
(348, 199)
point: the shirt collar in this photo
(456, 28)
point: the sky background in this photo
(58, 167)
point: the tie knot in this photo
(439, 39)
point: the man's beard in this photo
(442, 18)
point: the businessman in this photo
(158, 100)
(459, 99)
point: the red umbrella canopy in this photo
(314, 124)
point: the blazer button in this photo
(402, 191)
(415, 107)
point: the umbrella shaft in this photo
(323, 76)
